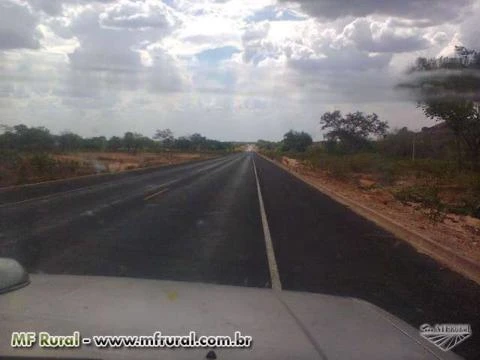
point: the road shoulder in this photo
(426, 245)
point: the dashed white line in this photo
(272, 262)
(155, 194)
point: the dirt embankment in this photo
(458, 232)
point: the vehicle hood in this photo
(283, 324)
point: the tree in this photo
(22, 137)
(462, 116)
(183, 143)
(399, 143)
(165, 137)
(97, 143)
(114, 143)
(135, 141)
(69, 141)
(129, 141)
(352, 131)
(447, 89)
(198, 141)
(296, 141)
(266, 145)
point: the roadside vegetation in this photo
(435, 170)
(34, 154)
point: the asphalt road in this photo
(203, 222)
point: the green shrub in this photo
(440, 169)
(436, 179)
(272, 154)
(470, 200)
(363, 162)
(42, 164)
(339, 170)
(427, 196)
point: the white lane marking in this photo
(272, 262)
(155, 194)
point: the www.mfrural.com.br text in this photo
(44, 339)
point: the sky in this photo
(228, 69)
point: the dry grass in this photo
(118, 161)
(409, 199)
(434, 184)
(18, 168)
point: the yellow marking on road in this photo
(172, 295)
(155, 194)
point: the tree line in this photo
(32, 139)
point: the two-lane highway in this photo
(204, 222)
(198, 222)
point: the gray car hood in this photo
(283, 324)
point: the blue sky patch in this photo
(217, 54)
(272, 13)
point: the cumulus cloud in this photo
(315, 48)
(428, 12)
(341, 61)
(139, 15)
(102, 48)
(377, 36)
(321, 63)
(55, 7)
(164, 75)
(256, 46)
(350, 58)
(469, 33)
(96, 72)
(51, 7)
(18, 27)
(232, 65)
(116, 57)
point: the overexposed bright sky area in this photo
(228, 69)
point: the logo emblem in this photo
(446, 336)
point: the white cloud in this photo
(56, 7)
(383, 36)
(469, 32)
(115, 58)
(237, 68)
(420, 12)
(102, 48)
(18, 27)
(139, 15)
